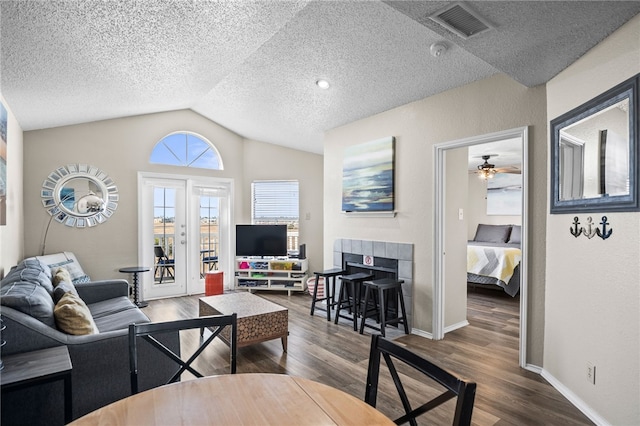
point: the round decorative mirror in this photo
(79, 195)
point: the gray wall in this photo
(121, 148)
(593, 285)
(494, 104)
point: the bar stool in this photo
(329, 296)
(385, 288)
(349, 297)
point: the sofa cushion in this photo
(492, 233)
(110, 306)
(63, 288)
(119, 320)
(73, 316)
(30, 298)
(30, 270)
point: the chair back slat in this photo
(462, 390)
(215, 323)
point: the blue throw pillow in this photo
(75, 270)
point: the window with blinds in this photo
(276, 202)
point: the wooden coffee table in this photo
(259, 320)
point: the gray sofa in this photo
(100, 361)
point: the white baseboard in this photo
(456, 326)
(574, 399)
(421, 333)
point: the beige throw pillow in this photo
(73, 316)
(62, 284)
(61, 274)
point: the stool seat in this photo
(383, 287)
(329, 296)
(358, 276)
(349, 297)
(331, 272)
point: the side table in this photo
(42, 366)
(134, 270)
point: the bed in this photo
(493, 257)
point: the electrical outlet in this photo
(591, 373)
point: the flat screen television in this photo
(261, 240)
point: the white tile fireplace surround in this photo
(382, 251)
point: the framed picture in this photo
(3, 165)
(368, 177)
(504, 195)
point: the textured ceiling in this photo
(251, 66)
(505, 153)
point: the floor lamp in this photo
(87, 204)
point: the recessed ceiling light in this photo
(323, 84)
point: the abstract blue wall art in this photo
(368, 177)
(3, 165)
(504, 195)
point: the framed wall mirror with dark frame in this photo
(594, 154)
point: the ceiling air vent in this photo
(458, 19)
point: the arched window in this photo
(187, 150)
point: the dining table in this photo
(239, 399)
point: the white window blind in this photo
(274, 201)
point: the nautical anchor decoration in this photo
(589, 231)
(575, 231)
(604, 234)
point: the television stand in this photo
(286, 274)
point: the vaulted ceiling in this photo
(251, 66)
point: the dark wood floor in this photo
(486, 351)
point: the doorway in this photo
(440, 228)
(184, 232)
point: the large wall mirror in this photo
(595, 154)
(79, 195)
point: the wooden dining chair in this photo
(464, 391)
(222, 326)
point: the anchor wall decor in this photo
(591, 230)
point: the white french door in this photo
(164, 236)
(184, 232)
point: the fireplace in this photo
(380, 267)
(382, 259)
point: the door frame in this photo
(226, 260)
(439, 233)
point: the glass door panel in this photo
(209, 233)
(164, 236)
